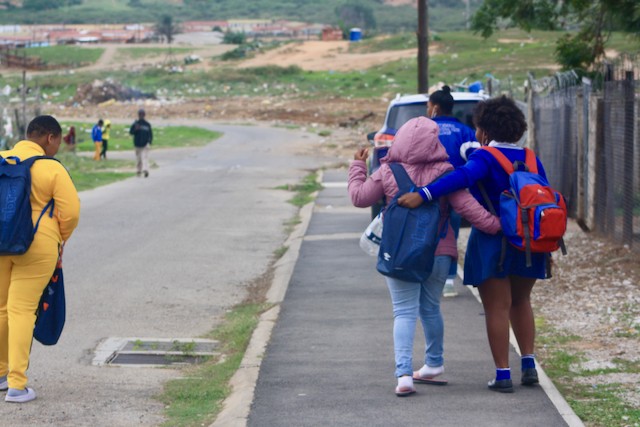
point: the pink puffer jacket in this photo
(417, 148)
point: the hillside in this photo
(372, 15)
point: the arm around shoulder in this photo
(463, 202)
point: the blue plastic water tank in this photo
(355, 34)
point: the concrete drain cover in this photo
(153, 351)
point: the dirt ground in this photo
(325, 56)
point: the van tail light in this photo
(382, 140)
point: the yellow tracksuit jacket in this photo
(24, 277)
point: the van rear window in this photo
(401, 114)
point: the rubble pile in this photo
(101, 91)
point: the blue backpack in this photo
(410, 236)
(51, 312)
(16, 226)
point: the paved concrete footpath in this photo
(329, 361)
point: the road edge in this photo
(237, 406)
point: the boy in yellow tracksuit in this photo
(24, 277)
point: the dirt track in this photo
(325, 56)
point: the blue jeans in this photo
(410, 299)
(456, 220)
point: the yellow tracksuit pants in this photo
(22, 281)
(96, 155)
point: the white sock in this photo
(449, 282)
(405, 381)
(430, 372)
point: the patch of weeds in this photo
(595, 404)
(324, 133)
(187, 348)
(601, 405)
(304, 190)
(279, 253)
(197, 398)
(290, 224)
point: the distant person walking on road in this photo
(96, 136)
(417, 149)
(24, 277)
(106, 132)
(453, 134)
(142, 139)
(70, 139)
(500, 272)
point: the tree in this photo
(593, 19)
(167, 28)
(356, 14)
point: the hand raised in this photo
(361, 154)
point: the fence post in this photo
(581, 170)
(595, 215)
(627, 186)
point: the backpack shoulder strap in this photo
(530, 160)
(405, 184)
(506, 164)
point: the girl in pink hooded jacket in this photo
(417, 148)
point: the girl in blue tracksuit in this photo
(452, 135)
(504, 288)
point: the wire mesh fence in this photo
(587, 135)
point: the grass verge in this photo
(596, 395)
(304, 191)
(87, 173)
(196, 399)
(163, 136)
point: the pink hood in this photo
(417, 147)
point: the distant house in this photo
(331, 33)
(249, 26)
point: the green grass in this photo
(196, 399)
(87, 173)
(70, 56)
(163, 137)
(595, 403)
(126, 53)
(304, 190)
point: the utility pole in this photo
(423, 46)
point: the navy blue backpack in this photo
(51, 313)
(16, 226)
(410, 236)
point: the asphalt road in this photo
(162, 257)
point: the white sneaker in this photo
(21, 398)
(4, 385)
(429, 372)
(449, 290)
